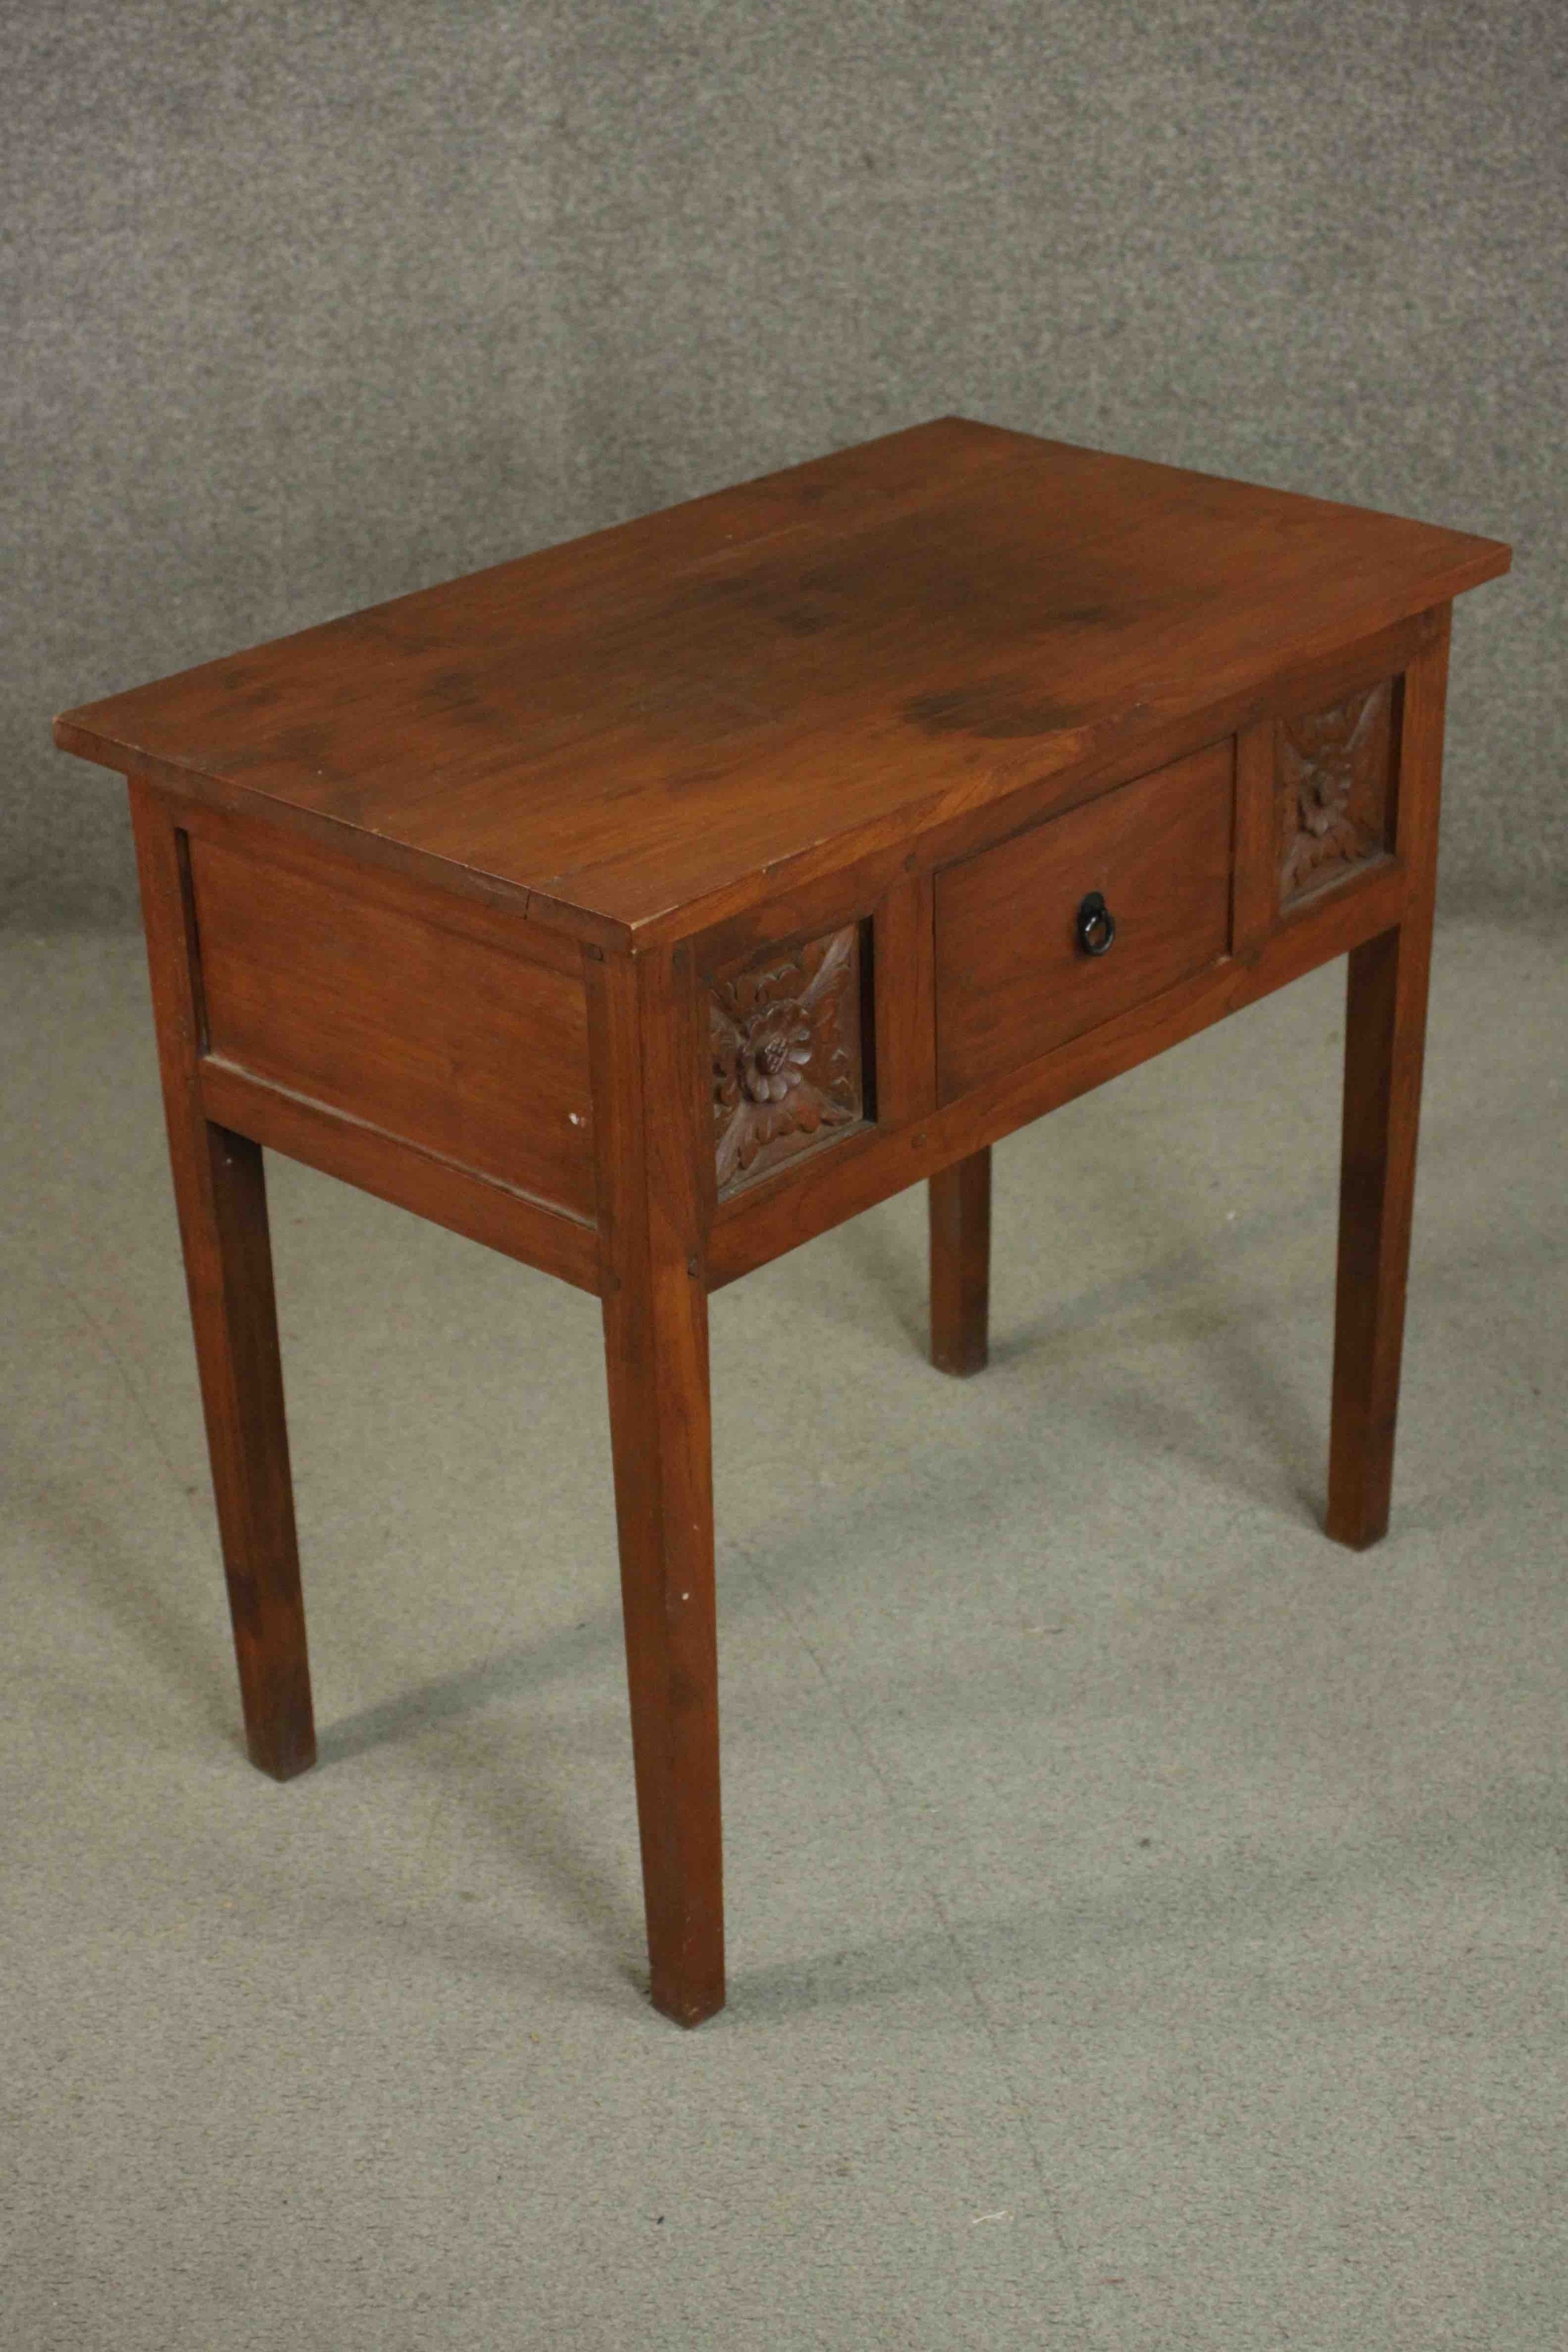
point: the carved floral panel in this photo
(787, 1060)
(1331, 774)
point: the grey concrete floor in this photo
(1146, 1919)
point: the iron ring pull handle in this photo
(1096, 926)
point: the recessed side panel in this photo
(442, 1040)
(1333, 803)
(790, 1054)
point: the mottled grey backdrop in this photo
(321, 302)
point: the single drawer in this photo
(1014, 978)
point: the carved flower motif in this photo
(773, 1051)
(1319, 761)
(779, 1066)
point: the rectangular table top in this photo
(654, 727)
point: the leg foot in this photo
(960, 1207)
(1385, 1020)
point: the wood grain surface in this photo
(650, 904)
(959, 1214)
(647, 1027)
(1385, 1037)
(794, 1207)
(1012, 979)
(220, 1195)
(639, 734)
(443, 1041)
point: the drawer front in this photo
(1012, 979)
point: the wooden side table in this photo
(647, 905)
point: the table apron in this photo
(872, 1165)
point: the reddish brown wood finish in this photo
(363, 884)
(781, 1214)
(959, 1200)
(440, 898)
(1012, 979)
(470, 1053)
(220, 1195)
(479, 1207)
(788, 1055)
(641, 735)
(904, 962)
(1386, 1033)
(1332, 791)
(1255, 886)
(816, 894)
(649, 1040)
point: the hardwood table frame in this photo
(651, 1104)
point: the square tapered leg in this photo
(221, 1197)
(1385, 1033)
(645, 1049)
(960, 1206)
